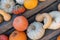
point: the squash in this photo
(35, 30)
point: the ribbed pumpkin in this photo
(35, 30)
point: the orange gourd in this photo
(16, 35)
(18, 9)
(58, 38)
(20, 23)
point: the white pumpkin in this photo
(7, 5)
(56, 20)
(35, 30)
(20, 1)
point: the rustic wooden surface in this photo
(27, 14)
(51, 34)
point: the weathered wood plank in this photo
(48, 37)
(26, 14)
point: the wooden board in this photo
(7, 25)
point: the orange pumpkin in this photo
(16, 35)
(20, 23)
(30, 4)
(58, 38)
(18, 9)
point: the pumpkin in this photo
(56, 20)
(30, 4)
(16, 35)
(35, 30)
(58, 38)
(3, 37)
(7, 5)
(20, 23)
(18, 9)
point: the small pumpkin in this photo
(18, 9)
(30, 4)
(35, 30)
(20, 23)
(58, 38)
(7, 5)
(16, 35)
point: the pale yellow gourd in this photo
(1, 19)
(59, 7)
(5, 15)
(40, 18)
(56, 20)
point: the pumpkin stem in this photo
(14, 34)
(7, 6)
(33, 27)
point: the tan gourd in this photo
(56, 20)
(40, 18)
(5, 15)
(59, 7)
(1, 19)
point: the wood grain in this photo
(48, 37)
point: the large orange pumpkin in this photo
(58, 38)
(16, 35)
(20, 23)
